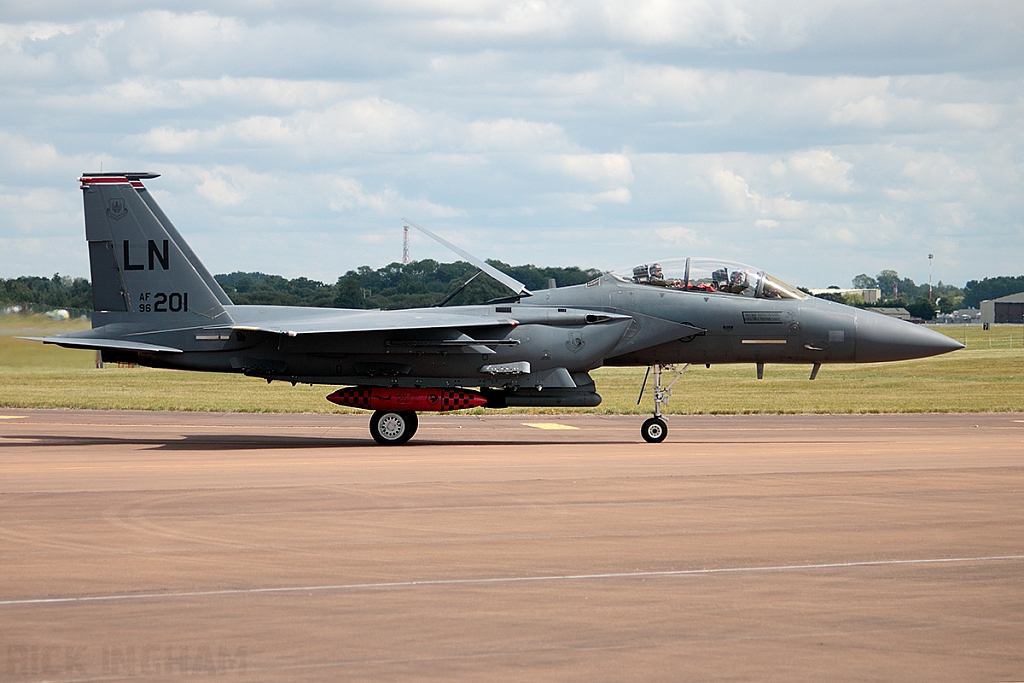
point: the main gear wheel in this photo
(393, 428)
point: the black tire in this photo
(393, 428)
(654, 430)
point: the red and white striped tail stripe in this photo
(133, 179)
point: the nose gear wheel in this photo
(654, 430)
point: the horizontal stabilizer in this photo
(103, 344)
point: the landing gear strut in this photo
(393, 428)
(654, 429)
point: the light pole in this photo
(930, 257)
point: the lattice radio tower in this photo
(405, 245)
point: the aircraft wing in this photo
(371, 321)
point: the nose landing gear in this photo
(654, 429)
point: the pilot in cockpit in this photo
(742, 280)
(658, 278)
(738, 282)
(720, 280)
(652, 275)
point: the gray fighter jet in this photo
(157, 305)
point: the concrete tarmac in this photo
(162, 546)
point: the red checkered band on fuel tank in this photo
(456, 400)
(357, 397)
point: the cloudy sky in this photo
(811, 138)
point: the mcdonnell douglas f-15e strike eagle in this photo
(157, 305)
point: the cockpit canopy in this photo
(710, 275)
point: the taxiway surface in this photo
(526, 548)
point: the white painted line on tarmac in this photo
(13, 417)
(512, 579)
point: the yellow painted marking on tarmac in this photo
(13, 417)
(548, 425)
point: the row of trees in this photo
(902, 293)
(427, 283)
(970, 295)
(59, 291)
(944, 298)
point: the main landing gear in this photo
(393, 428)
(654, 429)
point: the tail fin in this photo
(142, 269)
(210, 281)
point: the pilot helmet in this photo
(656, 270)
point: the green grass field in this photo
(986, 376)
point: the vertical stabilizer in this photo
(210, 281)
(142, 272)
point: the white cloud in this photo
(348, 193)
(841, 235)
(515, 135)
(169, 141)
(368, 124)
(173, 38)
(870, 112)
(972, 115)
(14, 36)
(602, 169)
(520, 18)
(818, 168)
(680, 236)
(272, 92)
(223, 186)
(938, 176)
(593, 201)
(734, 191)
(860, 132)
(694, 23)
(37, 206)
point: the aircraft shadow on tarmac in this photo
(201, 442)
(191, 442)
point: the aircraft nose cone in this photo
(882, 338)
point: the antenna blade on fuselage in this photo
(517, 287)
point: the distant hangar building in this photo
(1005, 309)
